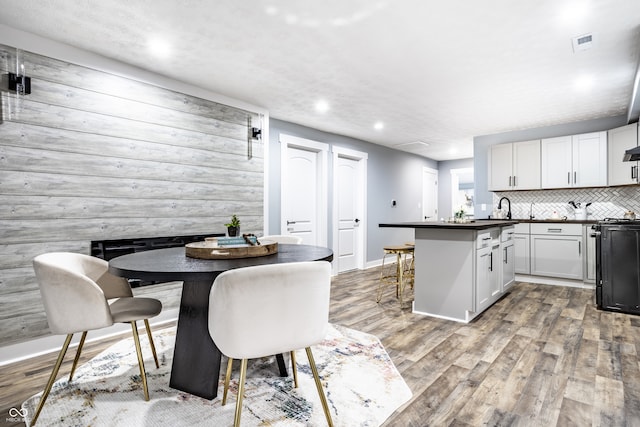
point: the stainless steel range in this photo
(618, 265)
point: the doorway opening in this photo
(462, 192)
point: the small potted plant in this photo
(459, 216)
(233, 227)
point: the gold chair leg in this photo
(52, 378)
(227, 378)
(399, 276)
(383, 280)
(143, 374)
(316, 377)
(78, 351)
(153, 346)
(379, 292)
(243, 377)
(294, 368)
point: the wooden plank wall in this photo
(90, 155)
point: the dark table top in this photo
(172, 263)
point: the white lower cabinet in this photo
(483, 279)
(556, 250)
(488, 269)
(521, 249)
(508, 265)
(589, 255)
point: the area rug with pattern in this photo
(362, 385)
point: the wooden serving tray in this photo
(211, 250)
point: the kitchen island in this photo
(461, 269)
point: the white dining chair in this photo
(79, 295)
(270, 309)
(282, 238)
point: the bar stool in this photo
(401, 273)
(410, 265)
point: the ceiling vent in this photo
(417, 145)
(582, 42)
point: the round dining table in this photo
(196, 359)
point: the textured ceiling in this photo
(440, 72)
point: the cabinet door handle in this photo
(506, 255)
(579, 248)
(575, 177)
(491, 261)
(509, 180)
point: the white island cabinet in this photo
(460, 268)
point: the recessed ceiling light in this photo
(378, 126)
(572, 14)
(159, 48)
(322, 106)
(583, 83)
(271, 10)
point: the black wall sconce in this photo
(256, 133)
(19, 84)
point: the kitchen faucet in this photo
(500, 206)
(531, 215)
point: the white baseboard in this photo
(554, 281)
(52, 343)
(373, 264)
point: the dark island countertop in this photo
(475, 225)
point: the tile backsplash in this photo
(606, 202)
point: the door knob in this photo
(356, 220)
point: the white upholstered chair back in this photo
(75, 288)
(79, 294)
(282, 238)
(270, 309)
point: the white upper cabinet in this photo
(514, 166)
(575, 161)
(620, 140)
(590, 159)
(556, 162)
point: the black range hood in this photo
(631, 155)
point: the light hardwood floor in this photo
(541, 356)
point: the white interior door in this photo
(349, 188)
(302, 189)
(303, 195)
(429, 194)
(348, 221)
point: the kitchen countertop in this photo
(476, 225)
(481, 224)
(559, 220)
